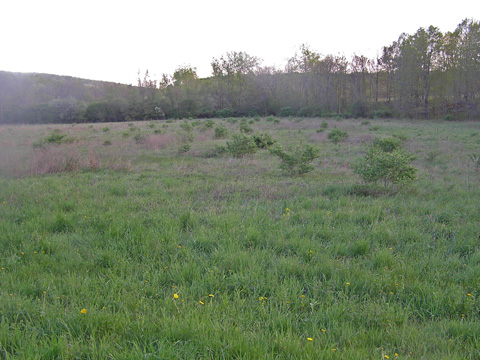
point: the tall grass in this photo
(337, 275)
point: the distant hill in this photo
(21, 93)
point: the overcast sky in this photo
(112, 40)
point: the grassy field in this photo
(116, 245)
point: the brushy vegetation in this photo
(386, 163)
(337, 135)
(296, 162)
(152, 253)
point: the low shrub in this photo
(241, 145)
(264, 141)
(296, 162)
(337, 135)
(389, 168)
(220, 132)
(387, 144)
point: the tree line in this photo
(428, 74)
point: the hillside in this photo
(25, 97)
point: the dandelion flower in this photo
(386, 357)
(323, 330)
(211, 295)
(201, 302)
(83, 311)
(347, 283)
(396, 355)
(469, 294)
(175, 296)
(309, 339)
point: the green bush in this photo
(387, 168)
(220, 132)
(208, 124)
(264, 141)
(54, 138)
(337, 135)
(298, 161)
(245, 128)
(184, 138)
(241, 145)
(387, 144)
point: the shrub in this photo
(298, 161)
(387, 168)
(208, 124)
(245, 128)
(220, 132)
(263, 141)
(184, 138)
(241, 145)
(337, 135)
(286, 112)
(54, 138)
(139, 138)
(387, 144)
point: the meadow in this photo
(146, 240)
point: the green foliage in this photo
(296, 162)
(107, 143)
(241, 145)
(389, 168)
(264, 140)
(285, 259)
(387, 144)
(337, 135)
(286, 112)
(184, 137)
(220, 132)
(208, 124)
(245, 128)
(55, 138)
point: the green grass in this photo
(367, 276)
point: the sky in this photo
(113, 40)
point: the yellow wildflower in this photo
(201, 302)
(211, 295)
(309, 339)
(347, 283)
(83, 311)
(175, 296)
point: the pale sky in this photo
(112, 40)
